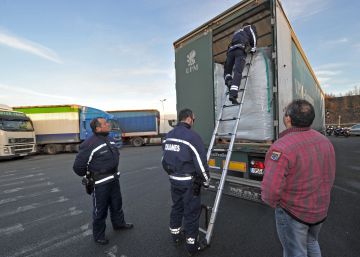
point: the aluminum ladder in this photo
(228, 151)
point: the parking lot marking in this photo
(27, 176)
(9, 191)
(20, 197)
(57, 241)
(72, 211)
(10, 230)
(33, 206)
(23, 181)
(354, 167)
(345, 190)
(112, 251)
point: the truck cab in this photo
(17, 136)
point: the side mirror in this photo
(172, 123)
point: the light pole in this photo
(162, 103)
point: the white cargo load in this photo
(256, 122)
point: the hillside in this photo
(348, 107)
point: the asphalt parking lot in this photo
(44, 211)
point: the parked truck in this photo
(61, 128)
(17, 136)
(280, 72)
(139, 127)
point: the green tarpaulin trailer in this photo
(281, 73)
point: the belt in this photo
(105, 177)
(181, 177)
(242, 46)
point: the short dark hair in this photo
(301, 112)
(246, 24)
(94, 123)
(184, 113)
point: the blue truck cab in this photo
(89, 113)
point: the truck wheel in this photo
(50, 149)
(137, 141)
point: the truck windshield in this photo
(114, 125)
(16, 124)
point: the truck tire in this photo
(50, 149)
(137, 141)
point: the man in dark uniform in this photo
(184, 159)
(99, 156)
(236, 55)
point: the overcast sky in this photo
(115, 54)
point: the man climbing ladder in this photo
(236, 55)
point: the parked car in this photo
(355, 130)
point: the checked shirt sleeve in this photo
(274, 178)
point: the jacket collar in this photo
(293, 129)
(184, 124)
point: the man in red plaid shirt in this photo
(299, 175)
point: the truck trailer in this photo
(139, 127)
(280, 73)
(61, 128)
(17, 136)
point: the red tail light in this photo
(257, 164)
(257, 167)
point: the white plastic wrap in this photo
(256, 121)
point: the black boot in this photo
(197, 247)
(233, 99)
(102, 241)
(124, 226)
(228, 81)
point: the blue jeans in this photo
(297, 239)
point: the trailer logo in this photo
(192, 65)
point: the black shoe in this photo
(200, 246)
(125, 226)
(102, 241)
(233, 100)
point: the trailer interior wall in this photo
(258, 15)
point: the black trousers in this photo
(235, 57)
(107, 196)
(186, 208)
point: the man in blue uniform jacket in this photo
(184, 159)
(99, 157)
(236, 55)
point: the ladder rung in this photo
(231, 105)
(224, 134)
(202, 230)
(248, 63)
(220, 150)
(245, 76)
(230, 119)
(214, 167)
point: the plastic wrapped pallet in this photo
(256, 121)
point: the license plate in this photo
(256, 171)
